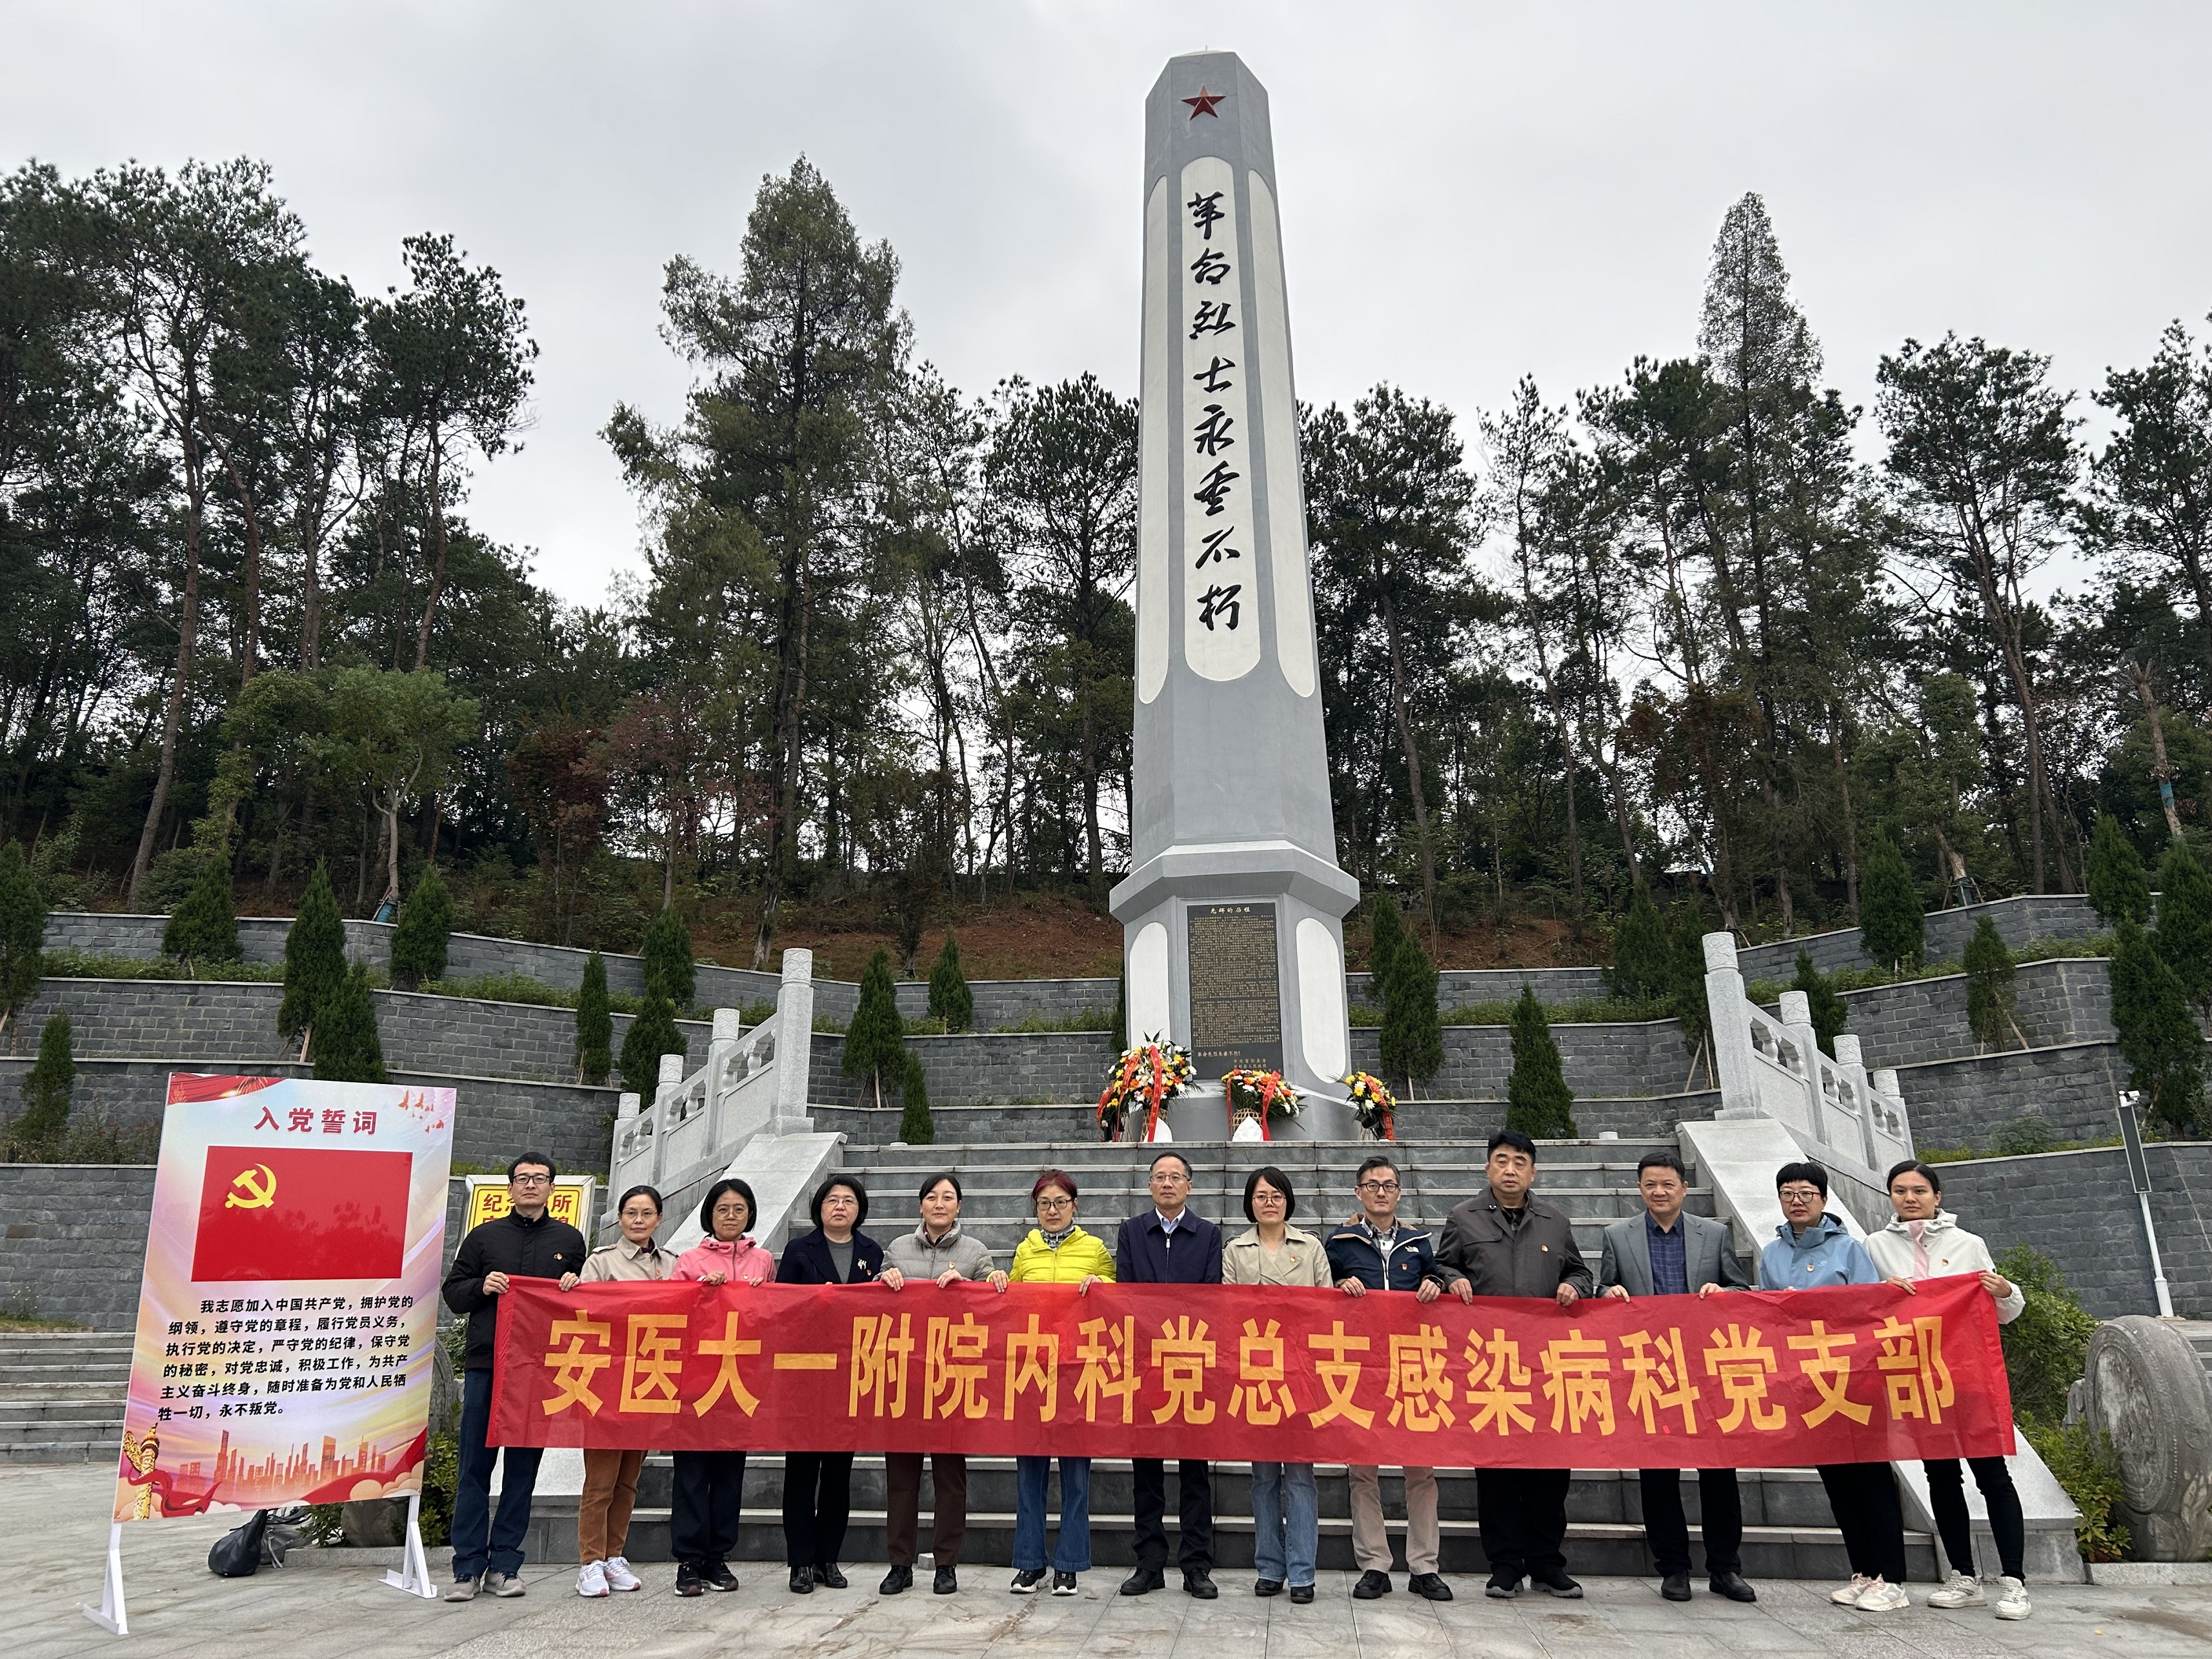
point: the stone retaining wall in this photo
(2021, 921)
(1967, 1102)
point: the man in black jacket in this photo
(524, 1243)
(1171, 1246)
(1506, 1242)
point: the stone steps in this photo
(62, 1396)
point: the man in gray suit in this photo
(1663, 1252)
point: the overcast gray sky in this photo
(1469, 193)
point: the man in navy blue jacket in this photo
(1171, 1246)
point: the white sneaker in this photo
(591, 1580)
(1847, 1595)
(1882, 1597)
(1961, 1590)
(619, 1576)
(2012, 1599)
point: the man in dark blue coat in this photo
(1171, 1246)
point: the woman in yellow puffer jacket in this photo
(1056, 1252)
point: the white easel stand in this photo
(109, 1615)
(414, 1574)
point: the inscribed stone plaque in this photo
(1236, 1000)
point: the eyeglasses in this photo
(1800, 1195)
(1169, 1179)
(1055, 1203)
(1378, 1188)
(530, 1181)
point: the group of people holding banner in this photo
(1505, 1241)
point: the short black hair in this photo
(1805, 1171)
(1377, 1161)
(532, 1158)
(1661, 1160)
(1176, 1156)
(946, 1178)
(1275, 1178)
(1914, 1166)
(851, 1182)
(1513, 1138)
(653, 1193)
(728, 1184)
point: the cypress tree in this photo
(1120, 1015)
(668, 969)
(1538, 1102)
(204, 927)
(2159, 1037)
(426, 923)
(23, 935)
(1830, 1012)
(595, 1025)
(2185, 921)
(314, 961)
(2119, 891)
(1412, 1038)
(1643, 958)
(917, 1127)
(1384, 935)
(651, 1034)
(47, 1085)
(1686, 994)
(1891, 925)
(1990, 971)
(950, 999)
(347, 1046)
(875, 1042)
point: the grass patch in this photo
(98, 965)
(1083, 1019)
(1578, 1011)
(505, 988)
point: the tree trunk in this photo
(2160, 769)
(438, 534)
(1413, 769)
(252, 521)
(173, 716)
(1850, 823)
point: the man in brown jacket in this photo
(1508, 1243)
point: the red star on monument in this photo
(1204, 103)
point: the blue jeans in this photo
(1071, 1550)
(1283, 1546)
(472, 1517)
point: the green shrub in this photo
(1643, 959)
(651, 1034)
(1829, 1012)
(204, 927)
(2083, 1462)
(509, 987)
(1538, 1102)
(1685, 935)
(2159, 1034)
(49, 1084)
(1891, 927)
(1384, 932)
(347, 1048)
(875, 1044)
(2028, 1133)
(426, 924)
(2045, 1348)
(595, 1027)
(2185, 921)
(23, 935)
(1412, 1038)
(314, 960)
(950, 999)
(1990, 973)
(2119, 891)
(442, 1479)
(668, 968)
(917, 1127)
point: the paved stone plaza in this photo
(332, 1603)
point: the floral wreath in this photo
(1150, 1074)
(1258, 1096)
(1375, 1106)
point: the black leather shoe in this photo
(718, 1576)
(944, 1581)
(1731, 1585)
(830, 1578)
(1558, 1583)
(1676, 1587)
(1266, 1586)
(802, 1581)
(1302, 1593)
(897, 1582)
(1372, 1586)
(1430, 1586)
(1144, 1581)
(1198, 1581)
(1502, 1589)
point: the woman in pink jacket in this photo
(710, 1485)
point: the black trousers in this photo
(1523, 1516)
(1667, 1532)
(1194, 1483)
(708, 1506)
(817, 1501)
(1863, 1498)
(1947, 1495)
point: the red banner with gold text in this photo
(1752, 1379)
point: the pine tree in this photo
(22, 936)
(1120, 1015)
(1643, 958)
(917, 1127)
(1990, 971)
(1891, 927)
(2185, 921)
(1830, 1012)
(1385, 933)
(314, 961)
(651, 1034)
(2119, 891)
(347, 1046)
(1538, 1102)
(1686, 994)
(204, 927)
(950, 999)
(426, 923)
(668, 969)
(48, 1084)
(595, 1026)
(1412, 1038)
(875, 1042)
(2159, 1037)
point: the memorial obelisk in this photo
(1232, 911)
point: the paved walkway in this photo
(331, 1606)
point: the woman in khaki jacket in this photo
(610, 1476)
(1286, 1502)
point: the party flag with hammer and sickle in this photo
(269, 1213)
